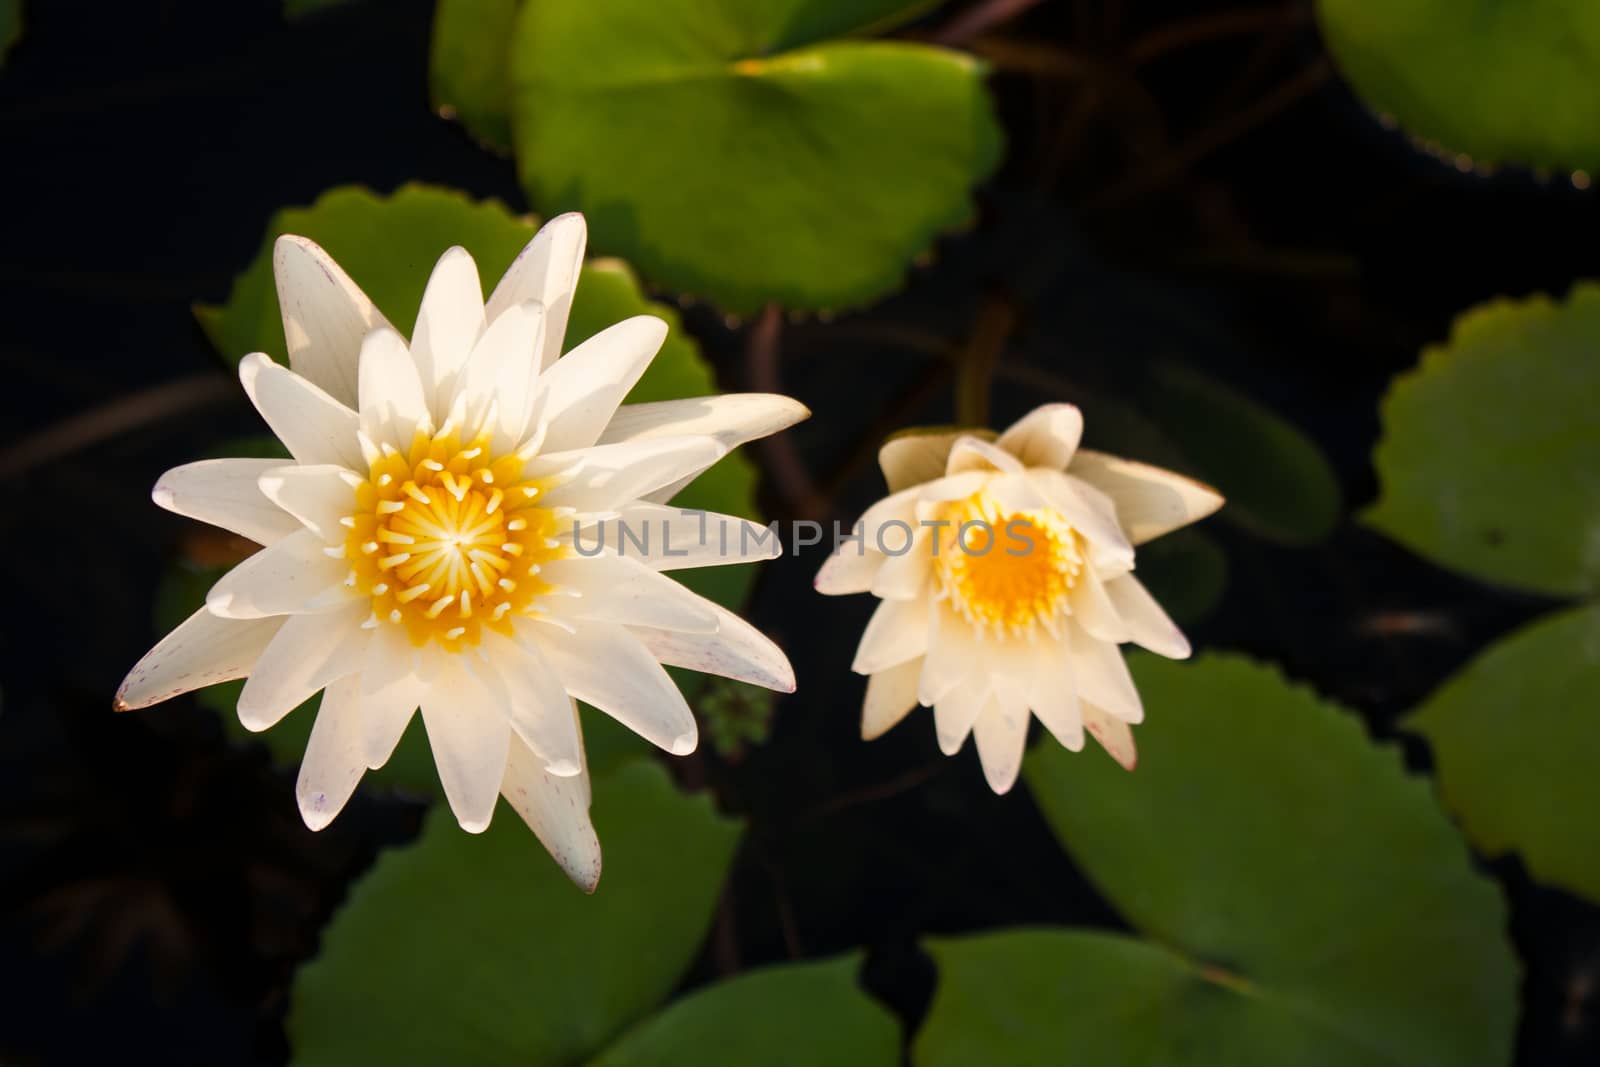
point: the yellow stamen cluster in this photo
(1009, 571)
(447, 539)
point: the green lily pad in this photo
(794, 1016)
(470, 66)
(1488, 461)
(389, 245)
(1501, 82)
(476, 949)
(743, 151)
(1514, 737)
(1304, 898)
(1275, 479)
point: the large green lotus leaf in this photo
(736, 149)
(1276, 481)
(1490, 460)
(799, 1015)
(470, 66)
(470, 59)
(1501, 82)
(1514, 737)
(1319, 896)
(1082, 996)
(476, 949)
(389, 245)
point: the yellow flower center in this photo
(447, 540)
(1007, 572)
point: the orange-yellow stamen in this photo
(445, 544)
(1007, 572)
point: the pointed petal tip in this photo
(684, 744)
(473, 826)
(314, 818)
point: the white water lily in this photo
(1026, 611)
(420, 547)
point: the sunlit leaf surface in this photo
(1305, 901)
(749, 152)
(1514, 738)
(800, 1015)
(1490, 459)
(477, 949)
(1501, 82)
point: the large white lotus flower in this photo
(420, 547)
(1024, 611)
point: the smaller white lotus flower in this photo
(438, 541)
(1006, 574)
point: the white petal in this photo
(850, 569)
(914, 458)
(449, 323)
(1148, 626)
(291, 576)
(668, 538)
(954, 654)
(203, 650)
(392, 688)
(1054, 697)
(1045, 437)
(737, 650)
(393, 407)
(1001, 734)
(887, 524)
(500, 376)
(1094, 611)
(334, 759)
(546, 270)
(1090, 512)
(471, 740)
(325, 316)
(223, 492)
(891, 695)
(318, 496)
(1112, 733)
(956, 711)
(556, 810)
(975, 454)
(1149, 501)
(585, 387)
(904, 576)
(732, 418)
(614, 589)
(309, 652)
(1012, 665)
(1102, 676)
(897, 632)
(607, 477)
(953, 487)
(537, 705)
(314, 426)
(604, 665)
